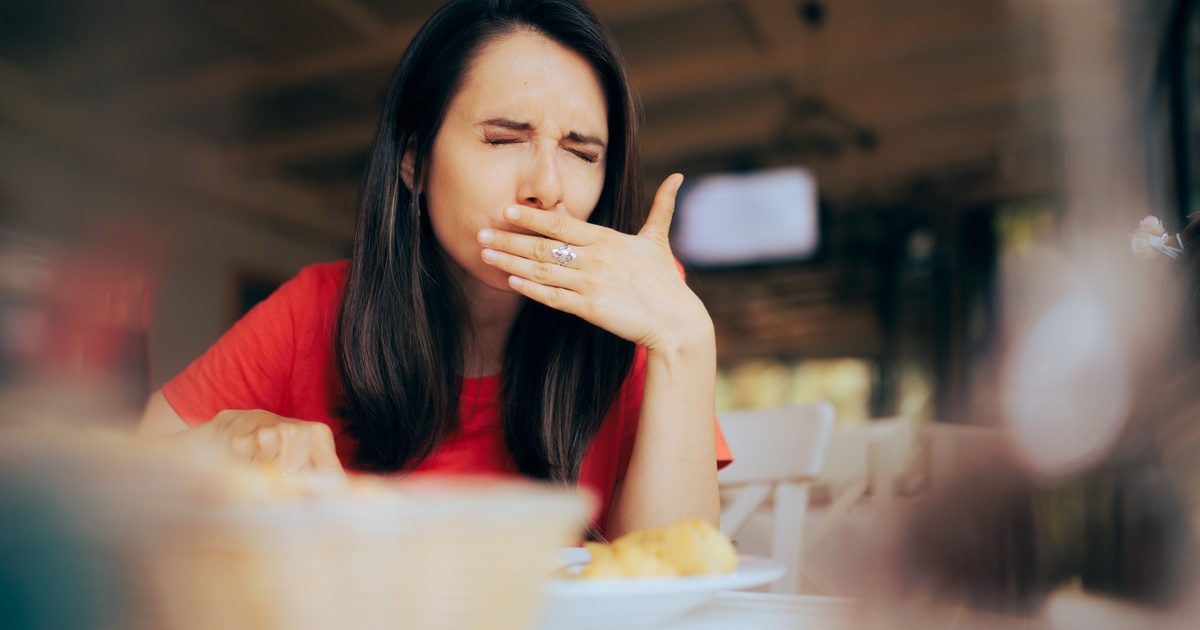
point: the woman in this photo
(506, 308)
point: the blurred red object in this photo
(82, 313)
(98, 320)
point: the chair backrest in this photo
(866, 460)
(776, 444)
(949, 446)
(777, 452)
(875, 452)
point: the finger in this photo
(268, 444)
(549, 274)
(293, 455)
(658, 223)
(556, 225)
(555, 297)
(523, 245)
(233, 424)
(243, 447)
(323, 456)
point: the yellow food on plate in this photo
(690, 547)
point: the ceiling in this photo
(268, 106)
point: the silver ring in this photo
(564, 255)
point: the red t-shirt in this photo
(280, 358)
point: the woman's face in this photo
(528, 127)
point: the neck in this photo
(490, 316)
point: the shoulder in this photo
(321, 282)
(315, 293)
(309, 299)
(325, 275)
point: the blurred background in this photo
(218, 145)
(918, 211)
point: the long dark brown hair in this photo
(401, 326)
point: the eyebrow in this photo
(574, 136)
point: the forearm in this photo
(159, 418)
(672, 472)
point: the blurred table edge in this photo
(767, 611)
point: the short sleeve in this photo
(250, 366)
(724, 455)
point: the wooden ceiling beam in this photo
(338, 140)
(228, 81)
(614, 12)
(158, 157)
(835, 54)
(903, 154)
(809, 61)
(759, 123)
(923, 151)
(750, 123)
(358, 17)
(875, 98)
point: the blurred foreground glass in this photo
(102, 531)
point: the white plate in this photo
(642, 602)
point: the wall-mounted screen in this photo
(747, 218)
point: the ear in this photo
(407, 169)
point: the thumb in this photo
(658, 223)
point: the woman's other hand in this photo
(626, 284)
(261, 437)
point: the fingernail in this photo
(512, 212)
(515, 281)
(490, 254)
(486, 236)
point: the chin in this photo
(495, 279)
(474, 274)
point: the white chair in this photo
(776, 452)
(863, 459)
(948, 447)
(864, 466)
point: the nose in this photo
(540, 186)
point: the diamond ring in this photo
(564, 255)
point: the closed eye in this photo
(497, 141)
(586, 156)
(590, 158)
